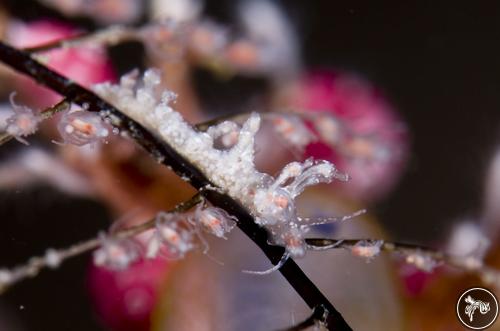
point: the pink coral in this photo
(125, 299)
(87, 64)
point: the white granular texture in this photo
(232, 169)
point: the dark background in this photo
(438, 61)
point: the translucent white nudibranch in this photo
(366, 148)
(329, 128)
(213, 220)
(23, 122)
(115, 253)
(275, 203)
(174, 233)
(273, 206)
(313, 173)
(367, 249)
(422, 261)
(295, 244)
(293, 130)
(82, 127)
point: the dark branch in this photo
(22, 62)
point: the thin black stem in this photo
(164, 153)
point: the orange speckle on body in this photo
(83, 126)
(281, 201)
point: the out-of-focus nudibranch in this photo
(22, 121)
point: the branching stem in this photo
(469, 264)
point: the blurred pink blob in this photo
(125, 299)
(369, 142)
(103, 11)
(416, 281)
(86, 65)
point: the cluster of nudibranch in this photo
(174, 235)
(230, 168)
(224, 153)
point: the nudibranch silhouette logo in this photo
(477, 308)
